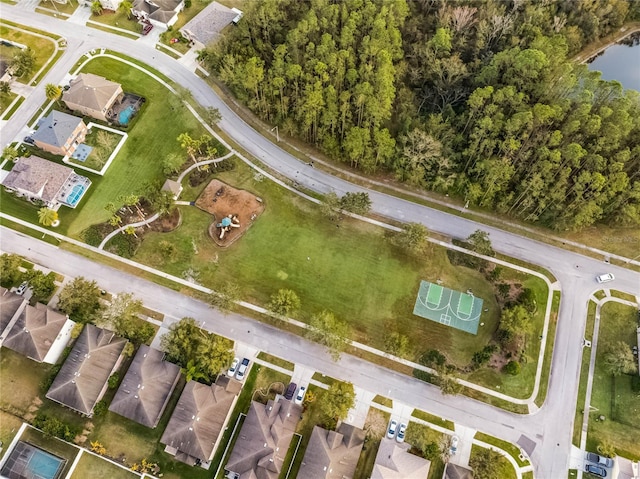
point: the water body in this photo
(620, 62)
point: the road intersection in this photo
(550, 428)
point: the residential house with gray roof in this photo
(161, 13)
(197, 421)
(38, 179)
(146, 388)
(332, 454)
(207, 25)
(454, 471)
(60, 133)
(40, 333)
(92, 95)
(394, 461)
(264, 439)
(11, 305)
(82, 380)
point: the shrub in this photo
(48, 379)
(513, 368)
(52, 426)
(113, 380)
(123, 245)
(100, 409)
(433, 358)
(92, 235)
(482, 357)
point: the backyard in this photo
(43, 48)
(615, 398)
(102, 142)
(97, 468)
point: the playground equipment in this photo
(227, 223)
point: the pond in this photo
(620, 62)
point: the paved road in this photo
(552, 426)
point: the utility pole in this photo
(277, 135)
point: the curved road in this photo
(550, 428)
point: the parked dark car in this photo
(146, 28)
(288, 394)
(29, 141)
(596, 470)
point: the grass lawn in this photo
(503, 467)
(6, 98)
(425, 416)
(22, 377)
(548, 352)
(374, 289)
(9, 425)
(276, 361)
(43, 48)
(119, 20)
(97, 468)
(512, 449)
(67, 8)
(584, 374)
(140, 159)
(616, 398)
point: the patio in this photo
(122, 113)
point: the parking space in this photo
(358, 414)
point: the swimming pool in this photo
(76, 194)
(27, 460)
(125, 115)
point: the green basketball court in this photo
(446, 306)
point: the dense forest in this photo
(474, 99)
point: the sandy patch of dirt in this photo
(222, 200)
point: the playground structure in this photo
(228, 222)
(233, 211)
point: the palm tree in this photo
(96, 7)
(191, 371)
(52, 91)
(125, 7)
(47, 216)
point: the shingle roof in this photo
(264, 439)
(80, 382)
(394, 461)
(160, 10)
(332, 454)
(146, 388)
(35, 331)
(35, 175)
(56, 128)
(197, 420)
(10, 303)
(453, 471)
(91, 91)
(207, 24)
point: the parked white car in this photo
(233, 368)
(300, 397)
(454, 445)
(605, 278)
(393, 427)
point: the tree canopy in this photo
(201, 354)
(329, 331)
(478, 101)
(80, 299)
(336, 401)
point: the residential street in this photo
(550, 428)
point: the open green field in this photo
(43, 48)
(348, 267)
(140, 160)
(6, 98)
(97, 468)
(616, 398)
(22, 377)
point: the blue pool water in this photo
(125, 115)
(75, 195)
(44, 465)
